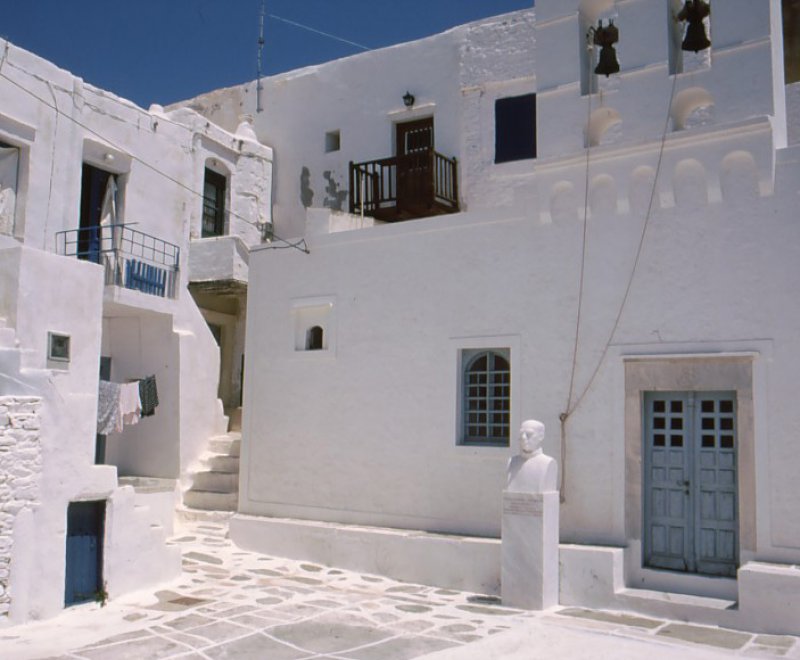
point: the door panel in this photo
(414, 164)
(717, 509)
(414, 136)
(84, 558)
(667, 470)
(690, 485)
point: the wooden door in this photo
(414, 164)
(690, 482)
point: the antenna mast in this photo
(259, 87)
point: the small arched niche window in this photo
(486, 397)
(314, 338)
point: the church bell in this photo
(694, 13)
(606, 37)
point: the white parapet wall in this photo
(442, 560)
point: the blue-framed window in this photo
(486, 397)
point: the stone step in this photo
(668, 605)
(211, 501)
(185, 514)
(217, 482)
(234, 419)
(224, 464)
(228, 445)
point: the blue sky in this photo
(161, 51)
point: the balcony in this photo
(414, 185)
(131, 259)
(218, 264)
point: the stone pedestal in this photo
(530, 571)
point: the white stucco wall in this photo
(365, 432)
(58, 122)
(455, 77)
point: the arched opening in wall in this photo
(690, 184)
(642, 181)
(315, 338)
(215, 199)
(692, 107)
(563, 207)
(739, 177)
(589, 13)
(605, 127)
(683, 31)
(603, 195)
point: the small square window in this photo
(58, 347)
(515, 128)
(332, 141)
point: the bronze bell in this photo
(694, 12)
(606, 37)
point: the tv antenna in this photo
(259, 86)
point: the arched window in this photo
(314, 338)
(486, 397)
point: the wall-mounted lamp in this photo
(408, 99)
(695, 12)
(605, 37)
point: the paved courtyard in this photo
(229, 603)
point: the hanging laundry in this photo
(109, 412)
(148, 393)
(130, 403)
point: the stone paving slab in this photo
(229, 603)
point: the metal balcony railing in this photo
(414, 185)
(131, 258)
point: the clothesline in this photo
(124, 404)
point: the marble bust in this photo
(531, 471)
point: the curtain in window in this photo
(9, 163)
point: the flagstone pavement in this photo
(230, 603)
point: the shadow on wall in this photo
(334, 198)
(306, 194)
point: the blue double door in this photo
(690, 483)
(84, 561)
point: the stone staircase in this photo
(215, 487)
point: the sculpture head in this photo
(531, 437)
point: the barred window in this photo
(486, 397)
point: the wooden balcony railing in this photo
(405, 187)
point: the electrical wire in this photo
(571, 407)
(565, 415)
(320, 32)
(299, 245)
(639, 248)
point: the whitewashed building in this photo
(494, 233)
(108, 213)
(477, 229)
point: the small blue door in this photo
(84, 567)
(690, 482)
